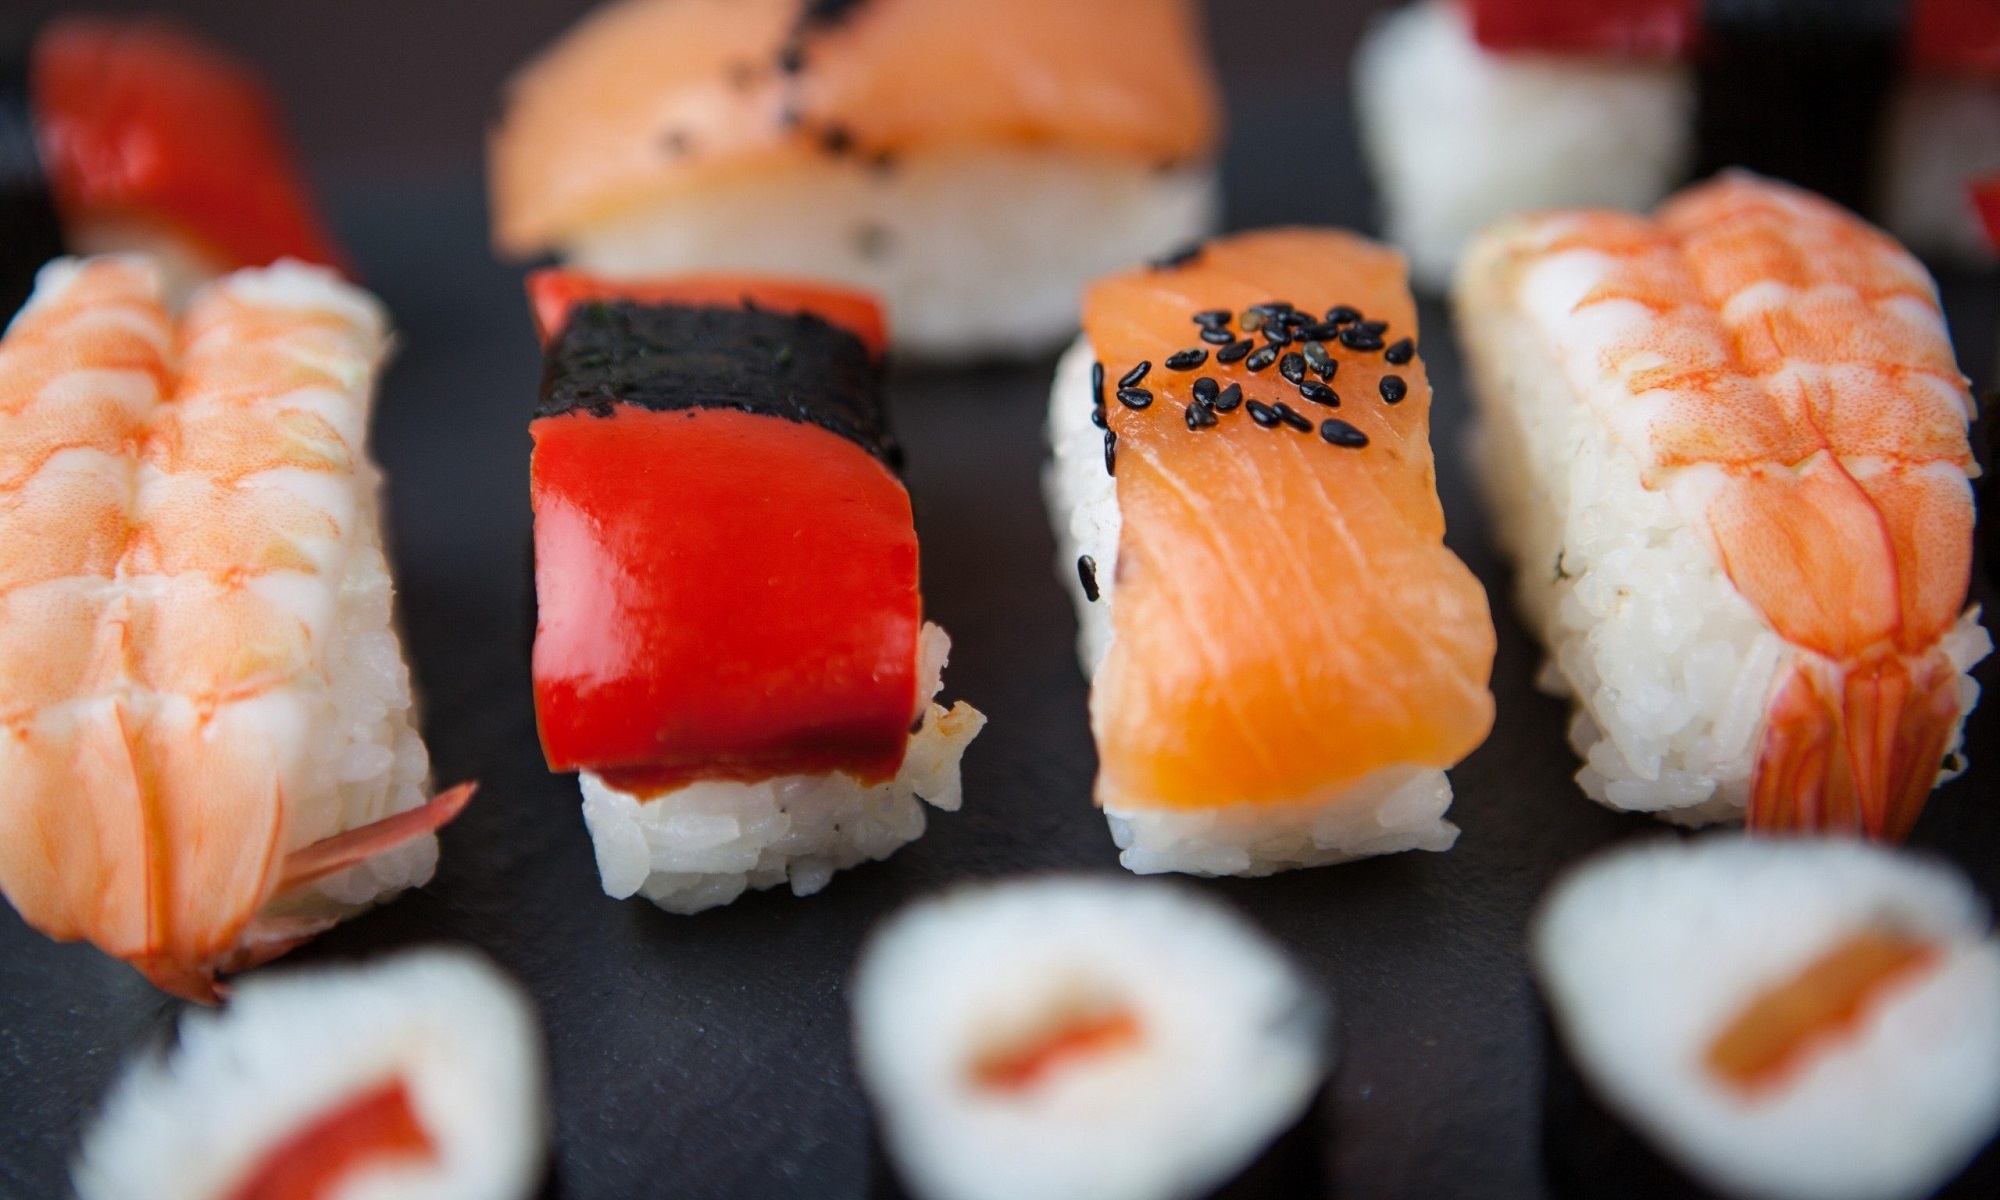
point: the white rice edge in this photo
(1386, 812)
(1646, 954)
(292, 1044)
(1943, 133)
(1669, 666)
(1235, 1040)
(1456, 137)
(977, 252)
(707, 843)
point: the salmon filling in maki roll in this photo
(730, 643)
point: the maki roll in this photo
(1473, 109)
(122, 135)
(730, 644)
(971, 163)
(1284, 655)
(211, 749)
(1783, 1019)
(1082, 1038)
(1727, 448)
(415, 1078)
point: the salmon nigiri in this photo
(1285, 655)
(1728, 446)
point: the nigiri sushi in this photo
(730, 644)
(972, 163)
(1784, 1019)
(1473, 109)
(1085, 1038)
(1727, 448)
(415, 1078)
(210, 754)
(134, 135)
(1284, 655)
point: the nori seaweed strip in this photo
(668, 357)
(30, 233)
(1796, 89)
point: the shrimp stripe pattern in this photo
(1782, 372)
(189, 517)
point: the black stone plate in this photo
(708, 1056)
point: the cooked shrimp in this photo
(201, 735)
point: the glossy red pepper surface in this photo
(722, 595)
(139, 121)
(1986, 198)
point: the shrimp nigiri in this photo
(1728, 446)
(208, 753)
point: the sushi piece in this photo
(1787, 1019)
(1473, 109)
(730, 644)
(1284, 655)
(1082, 1038)
(418, 1077)
(210, 752)
(1727, 449)
(124, 135)
(971, 163)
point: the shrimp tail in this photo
(1854, 747)
(337, 853)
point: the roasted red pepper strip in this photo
(1986, 198)
(139, 121)
(722, 594)
(1960, 36)
(553, 292)
(376, 1127)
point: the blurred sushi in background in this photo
(1785, 1019)
(1727, 449)
(1284, 656)
(1473, 109)
(730, 644)
(973, 162)
(1088, 1039)
(418, 1077)
(135, 135)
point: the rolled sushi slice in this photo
(211, 749)
(1473, 109)
(971, 163)
(418, 1077)
(134, 135)
(1727, 449)
(1082, 1038)
(1284, 655)
(730, 644)
(1784, 1019)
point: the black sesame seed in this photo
(1110, 453)
(1293, 316)
(1187, 360)
(1293, 417)
(1293, 367)
(1231, 397)
(1132, 377)
(836, 140)
(1276, 333)
(1252, 320)
(1097, 384)
(1132, 397)
(1206, 390)
(1086, 573)
(1373, 328)
(792, 58)
(1200, 416)
(1213, 316)
(1341, 314)
(1399, 352)
(1319, 393)
(1354, 339)
(1272, 308)
(1320, 361)
(1216, 335)
(1262, 358)
(1179, 258)
(1234, 351)
(1097, 418)
(1317, 332)
(1394, 389)
(1340, 433)
(1262, 413)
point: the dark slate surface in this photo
(708, 1056)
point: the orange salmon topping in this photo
(1771, 1038)
(375, 1128)
(1018, 1066)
